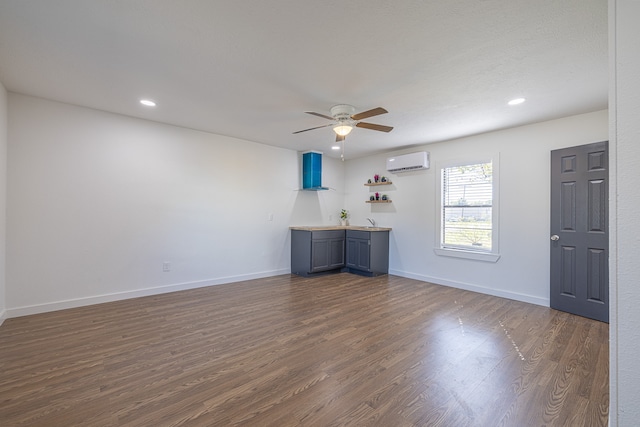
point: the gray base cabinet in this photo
(316, 251)
(324, 251)
(367, 252)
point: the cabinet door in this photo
(320, 255)
(358, 254)
(336, 253)
(327, 250)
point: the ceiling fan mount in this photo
(344, 120)
(343, 112)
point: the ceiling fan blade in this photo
(369, 113)
(340, 138)
(319, 115)
(317, 127)
(372, 126)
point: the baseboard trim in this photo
(474, 288)
(117, 296)
(3, 316)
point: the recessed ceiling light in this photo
(147, 102)
(516, 101)
(335, 147)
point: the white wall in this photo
(97, 202)
(522, 272)
(625, 201)
(3, 200)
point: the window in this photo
(468, 210)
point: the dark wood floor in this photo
(288, 351)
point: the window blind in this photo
(467, 201)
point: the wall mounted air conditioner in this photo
(408, 162)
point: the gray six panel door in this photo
(579, 224)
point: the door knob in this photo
(555, 237)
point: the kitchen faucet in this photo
(373, 223)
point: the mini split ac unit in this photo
(408, 162)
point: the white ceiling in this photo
(249, 69)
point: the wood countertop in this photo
(337, 227)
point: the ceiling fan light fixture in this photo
(342, 129)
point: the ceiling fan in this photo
(344, 120)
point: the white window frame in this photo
(478, 255)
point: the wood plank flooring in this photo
(338, 350)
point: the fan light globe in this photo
(342, 129)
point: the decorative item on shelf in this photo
(377, 196)
(383, 179)
(376, 177)
(344, 215)
(369, 181)
(384, 197)
(372, 198)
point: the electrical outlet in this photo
(166, 267)
(270, 217)
(330, 217)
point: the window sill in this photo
(477, 256)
